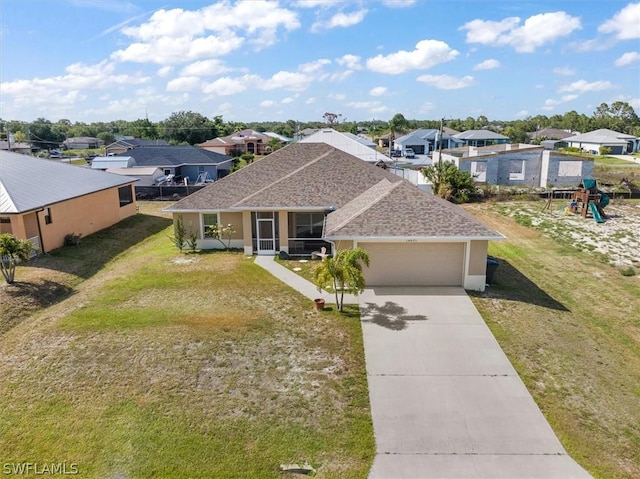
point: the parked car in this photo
(56, 155)
(395, 153)
(408, 153)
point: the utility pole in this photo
(440, 141)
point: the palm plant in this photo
(12, 251)
(344, 271)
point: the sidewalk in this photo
(297, 282)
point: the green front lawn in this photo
(161, 364)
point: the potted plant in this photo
(318, 304)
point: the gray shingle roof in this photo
(174, 156)
(28, 183)
(602, 136)
(369, 201)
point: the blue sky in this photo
(101, 60)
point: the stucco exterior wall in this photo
(83, 215)
(478, 258)
(234, 219)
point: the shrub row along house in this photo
(43, 201)
(309, 195)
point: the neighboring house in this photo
(349, 143)
(309, 195)
(184, 162)
(480, 138)
(283, 139)
(43, 200)
(299, 135)
(619, 143)
(82, 143)
(240, 142)
(16, 147)
(144, 176)
(123, 145)
(549, 134)
(424, 141)
(531, 167)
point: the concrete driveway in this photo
(445, 400)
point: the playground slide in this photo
(595, 213)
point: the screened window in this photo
(209, 220)
(305, 225)
(125, 194)
(47, 216)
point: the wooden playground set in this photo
(587, 201)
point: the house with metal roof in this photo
(617, 143)
(309, 195)
(44, 200)
(349, 143)
(186, 163)
(480, 138)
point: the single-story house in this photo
(240, 142)
(16, 146)
(285, 140)
(309, 195)
(550, 134)
(82, 143)
(619, 143)
(182, 161)
(531, 167)
(424, 141)
(480, 138)
(43, 200)
(122, 145)
(145, 176)
(349, 143)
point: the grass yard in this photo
(144, 362)
(569, 321)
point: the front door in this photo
(266, 236)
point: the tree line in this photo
(188, 127)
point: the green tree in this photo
(43, 134)
(12, 252)
(344, 271)
(448, 182)
(274, 144)
(179, 238)
(187, 127)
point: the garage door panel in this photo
(414, 264)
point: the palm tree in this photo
(344, 270)
(12, 251)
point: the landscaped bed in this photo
(161, 364)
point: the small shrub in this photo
(630, 271)
(192, 242)
(72, 239)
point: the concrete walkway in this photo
(445, 400)
(629, 158)
(297, 282)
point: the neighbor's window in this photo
(516, 170)
(209, 220)
(47, 216)
(305, 225)
(570, 168)
(125, 194)
(480, 166)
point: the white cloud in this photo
(310, 101)
(164, 71)
(628, 58)
(551, 104)
(564, 71)
(340, 76)
(230, 86)
(287, 100)
(487, 65)
(426, 107)
(267, 103)
(624, 24)
(378, 91)
(536, 31)
(522, 114)
(446, 82)
(352, 62)
(287, 80)
(203, 68)
(635, 103)
(427, 53)
(314, 67)
(398, 3)
(337, 96)
(364, 104)
(177, 36)
(316, 3)
(582, 86)
(186, 83)
(340, 19)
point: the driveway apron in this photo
(445, 400)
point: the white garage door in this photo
(414, 264)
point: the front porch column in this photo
(283, 219)
(246, 233)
